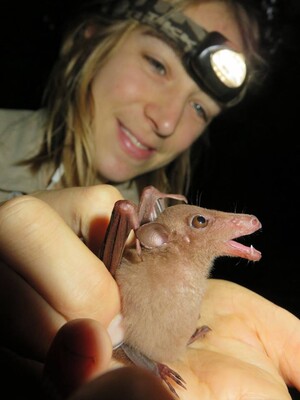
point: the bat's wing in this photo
(126, 216)
(152, 203)
(123, 220)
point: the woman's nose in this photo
(164, 117)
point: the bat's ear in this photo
(152, 235)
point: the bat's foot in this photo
(200, 333)
(167, 374)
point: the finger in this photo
(86, 210)
(80, 351)
(127, 383)
(272, 330)
(277, 329)
(36, 242)
(280, 333)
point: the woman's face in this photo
(148, 110)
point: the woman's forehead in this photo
(217, 16)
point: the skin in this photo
(48, 310)
(153, 98)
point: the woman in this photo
(127, 100)
(106, 124)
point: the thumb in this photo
(80, 351)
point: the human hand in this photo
(251, 353)
(48, 275)
(49, 281)
(78, 368)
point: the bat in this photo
(163, 276)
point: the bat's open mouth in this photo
(239, 250)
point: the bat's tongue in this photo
(239, 250)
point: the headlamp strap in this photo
(161, 16)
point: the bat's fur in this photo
(162, 292)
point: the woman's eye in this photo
(200, 111)
(157, 65)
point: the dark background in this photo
(250, 162)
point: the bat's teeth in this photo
(251, 249)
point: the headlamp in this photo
(218, 70)
(208, 57)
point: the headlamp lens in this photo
(229, 66)
(218, 69)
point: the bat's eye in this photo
(198, 221)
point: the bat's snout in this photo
(249, 223)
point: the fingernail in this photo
(116, 331)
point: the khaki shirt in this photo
(21, 137)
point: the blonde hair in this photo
(69, 100)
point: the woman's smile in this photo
(143, 118)
(132, 146)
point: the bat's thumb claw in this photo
(116, 331)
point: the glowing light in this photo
(229, 66)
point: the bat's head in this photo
(210, 233)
